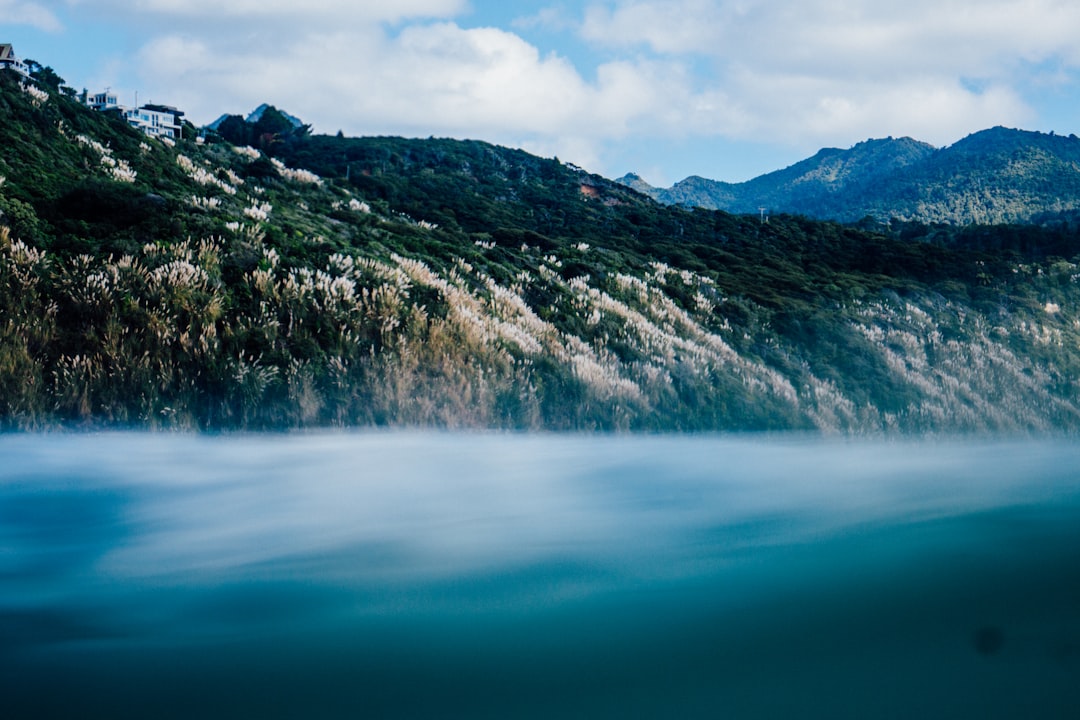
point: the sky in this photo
(725, 89)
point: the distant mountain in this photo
(255, 115)
(258, 112)
(635, 181)
(993, 176)
(217, 123)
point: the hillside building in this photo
(156, 120)
(10, 61)
(102, 101)
(153, 120)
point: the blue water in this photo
(465, 576)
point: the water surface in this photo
(465, 576)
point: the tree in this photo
(273, 122)
(274, 130)
(235, 130)
(45, 75)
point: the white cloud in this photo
(668, 27)
(431, 76)
(809, 111)
(346, 66)
(822, 70)
(306, 14)
(429, 79)
(483, 78)
(813, 73)
(33, 14)
(855, 35)
(555, 19)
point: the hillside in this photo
(386, 281)
(991, 177)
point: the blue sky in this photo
(726, 89)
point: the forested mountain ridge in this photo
(993, 176)
(315, 281)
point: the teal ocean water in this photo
(438, 575)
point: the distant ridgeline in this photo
(994, 176)
(300, 280)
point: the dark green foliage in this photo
(457, 283)
(44, 75)
(270, 132)
(235, 130)
(261, 169)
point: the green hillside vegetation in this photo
(328, 281)
(991, 177)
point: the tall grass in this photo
(159, 338)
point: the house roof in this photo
(7, 51)
(163, 109)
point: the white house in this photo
(153, 120)
(156, 120)
(102, 101)
(8, 60)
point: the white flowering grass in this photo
(116, 168)
(247, 152)
(38, 96)
(259, 211)
(205, 203)
(296, 175)
(204, 177)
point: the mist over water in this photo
(494, 576)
